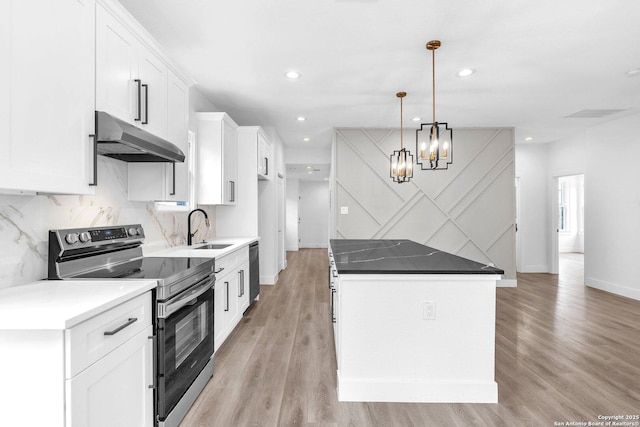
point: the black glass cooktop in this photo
(149, 268)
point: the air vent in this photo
(594, 114)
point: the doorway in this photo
(568, 242)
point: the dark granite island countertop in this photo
(353, 256)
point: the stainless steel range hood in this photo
(121, 140)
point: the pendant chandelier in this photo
(434, 141)
(401, 160)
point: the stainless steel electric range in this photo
(183, 310)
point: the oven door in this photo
(185, 342)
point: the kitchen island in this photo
(412, 323)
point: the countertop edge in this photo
(192, 252)
(68, 310)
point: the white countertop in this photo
(62, 304)
(191, 251)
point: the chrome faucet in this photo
(189, 234)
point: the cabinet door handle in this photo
(95, 161)
(173, 192)
(227, 284)
(139, 82)
(239, 284)
(266, 166)
(333, 311)
(153, 339)
(121, 327)
(146, 104)
(232, 191)
(218, 271)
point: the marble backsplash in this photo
(25, 222)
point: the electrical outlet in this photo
(429, 310)
(344, 210)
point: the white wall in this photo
(468, 210)
(293, 193)
(533, 222)
(612, 207)
(268, 218)
(612, 201)
(314, 214)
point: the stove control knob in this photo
(84, 237)
(139, 230)
(132, 231)
(71, 238)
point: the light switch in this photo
(429, 310)
(344, 210)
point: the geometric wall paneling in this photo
(359, 223)
(468, 209)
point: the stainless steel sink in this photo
(215, 246)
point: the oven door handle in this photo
(188, 297)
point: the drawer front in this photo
(232, 260)
(222, 266)
(91, 340)
(243, 255)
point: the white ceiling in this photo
(536, 61)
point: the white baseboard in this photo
(292, 249)
(313, 245)
(268, 280)
(613, 288)
(533, 269)
(507, 283)
(396, 390)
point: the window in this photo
(563, 223)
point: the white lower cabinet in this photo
(231, 295)
(95, 373)
(115, 390)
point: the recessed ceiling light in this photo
(326, 179)
(310, 172)
(309, 167)
(293, 75)
(305, 139)
(633, 73)
(416, 119)
(528, 138)
(466, 72)
(301, 119)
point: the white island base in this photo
(415, 337)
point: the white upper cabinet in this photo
(159, 181)
(47, 96)
(136, 83)
(116, 69)
(131, 80)
(217, 147)
(265, 167)
(153, 93)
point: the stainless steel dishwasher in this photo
(254, 272)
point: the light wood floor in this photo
(564, 352)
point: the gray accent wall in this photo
(467, 210)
